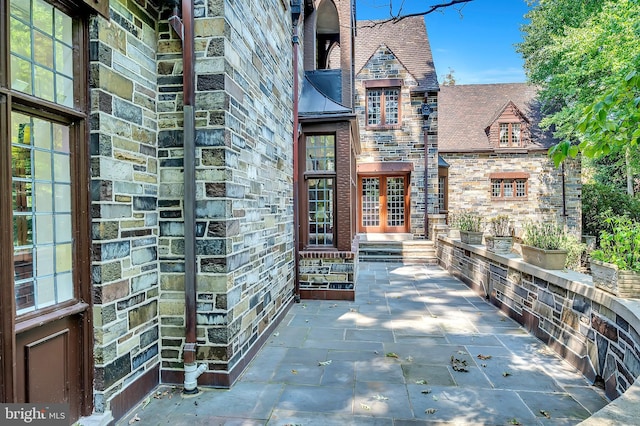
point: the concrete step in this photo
(406, 251)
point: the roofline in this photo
(491, 150)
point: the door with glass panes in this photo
(384, 204)
(44, 237)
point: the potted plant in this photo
(454, 228)
(470, 225)
(615, 266)
(501, 240)
(542, 245)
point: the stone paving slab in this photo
(387, 360)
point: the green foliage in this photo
(583, 55)
(500, 225)
(620, 243)
(600, 201)
(552, 236)
(467, 220)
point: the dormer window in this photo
(510, 135)
(383, 103)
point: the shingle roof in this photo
(409, 42)
(465, 111)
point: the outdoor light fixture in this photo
(425, 110)
(296, 10)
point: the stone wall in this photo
(244, 247)
(124, 193)
(593, 330)
(328, 275)
(470, 187)
(406, 143)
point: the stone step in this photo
(407, 251)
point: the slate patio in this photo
(417, 347)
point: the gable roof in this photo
(465, 111)
(408, 41)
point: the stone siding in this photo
(406, 143)
(124, 193)
(470, 187)
(334, 273)
(244, 157)
(594, 331)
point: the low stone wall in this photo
(593, 330)
(328, 275)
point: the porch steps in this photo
(408, 252)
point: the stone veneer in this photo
(406, 143)
(124, 194)
(470, 187)
(244, 214)
(593, 330)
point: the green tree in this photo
(584, 56)
(449, 79)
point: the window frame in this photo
(510, 134)
(312, 173)
(514, 178)
(382, 85)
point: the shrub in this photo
(620, 243)
(500, 226)
(468, 221)
(601, 201)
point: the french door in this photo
(384, 204)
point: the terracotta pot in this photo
(545, 259)
(610, 278)
(470, 237)
(498, 245)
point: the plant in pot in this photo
(454, 228)
(470, 225)
(615, 266)
(548, 246)
(501, 240)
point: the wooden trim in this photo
(383, 82)
(383, 228)
(385, 167)
(383, 124)
(509, 175)
(55, 315)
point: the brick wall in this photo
(594, 331)
(470, 187)
(124, 191)
(406, 143)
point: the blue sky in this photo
(476, 42)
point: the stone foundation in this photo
(328, 275)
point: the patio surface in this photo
(417, 347)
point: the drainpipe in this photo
(185, 30)
(425, 111)
(295, 40)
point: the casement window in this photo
(442, 193)
(509, 186)
(320, 183)
(510, 135)
(383, 103)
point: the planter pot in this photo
(499, 245)
(545, 259)
(609, 278)
(470, 237)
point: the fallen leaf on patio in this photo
(514, 421)
(294, 371)
(426, 391)
(483, 365)
(376, 352)
(506, 374)
(459, 364)
(430, 411)
(421, 382)
(134, 419)
(146, 402)
(365, 406)
(462, 353)
(380, 397)
(545, 413)
(323, 363)
(304, 306)
(392, 355)
(504, 319)
(276, 334)
(353, 310)
(434, 316)
(435, 398)
(409, 359)
(483, 357)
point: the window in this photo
(442, 191)
(509, 188)
(510, 135)
(383, 103)
(320, 177)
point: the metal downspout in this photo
(425, 127)
(185, 30)
(295, 40)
